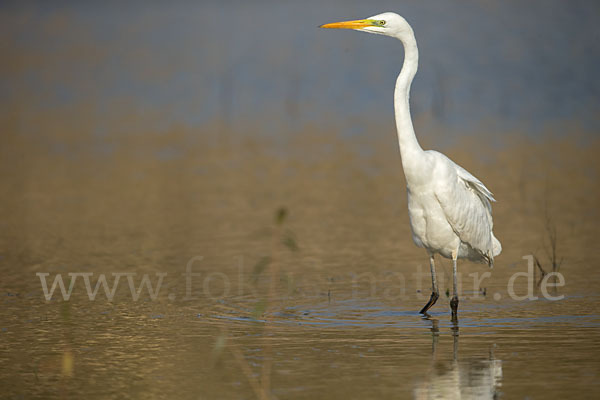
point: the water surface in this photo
(341, 320)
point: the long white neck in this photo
(410, 150)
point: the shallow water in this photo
(341, 320)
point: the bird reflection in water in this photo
(459, 379)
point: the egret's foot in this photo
(430, 303)
(426, 316)
(454, 306)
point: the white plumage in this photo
(450, 210)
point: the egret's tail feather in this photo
(497, 247)
(496, 250)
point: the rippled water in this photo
(341, 319)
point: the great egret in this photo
(449, 209)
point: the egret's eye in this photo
(382, 22)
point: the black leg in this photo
(454, 301)
(454, 307)
(435, 293)
(430, 303)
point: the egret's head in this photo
(388, 23)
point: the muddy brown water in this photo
(340, 318)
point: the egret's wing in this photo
(466, 204)
(479, 189)
(483, 192)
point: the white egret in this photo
(449, 209)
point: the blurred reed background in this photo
(233, 69)
(136, 136)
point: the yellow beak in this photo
(356, 24)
